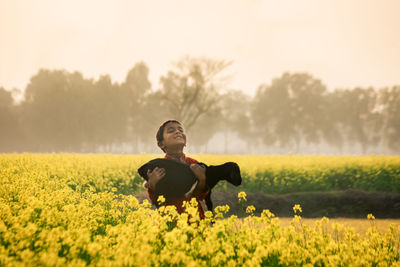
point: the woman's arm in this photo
(200, 172)
(154, 177)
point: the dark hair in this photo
(160, 132)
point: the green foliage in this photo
(268, 174)
(287, 174)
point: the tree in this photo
(289, 109)
(204, 129)
(152, 116)
(357, 117)
(136, 89)
(191, 90)
(10, 135)
(64, 111)
(110, 112)
(389, 103)
(236, 118)
(333, 126)
(47, 112)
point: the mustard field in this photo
(78, 210)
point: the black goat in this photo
(179, 180)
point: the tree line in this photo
(63, 111)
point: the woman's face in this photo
(174, 136)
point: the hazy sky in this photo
(344, 43)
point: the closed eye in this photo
(172, 129)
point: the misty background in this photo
(255, 76)
(63, 111)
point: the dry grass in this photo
(360, 225)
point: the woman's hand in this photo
(154, 177)
(200, 172)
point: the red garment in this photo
(178, 202)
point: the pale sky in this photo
(345, 43)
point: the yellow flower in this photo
(250, 209)
(267, 213)
(65, 205)
(161, 199)
(296, 208)
(242, 196)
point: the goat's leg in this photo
(208, 200)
